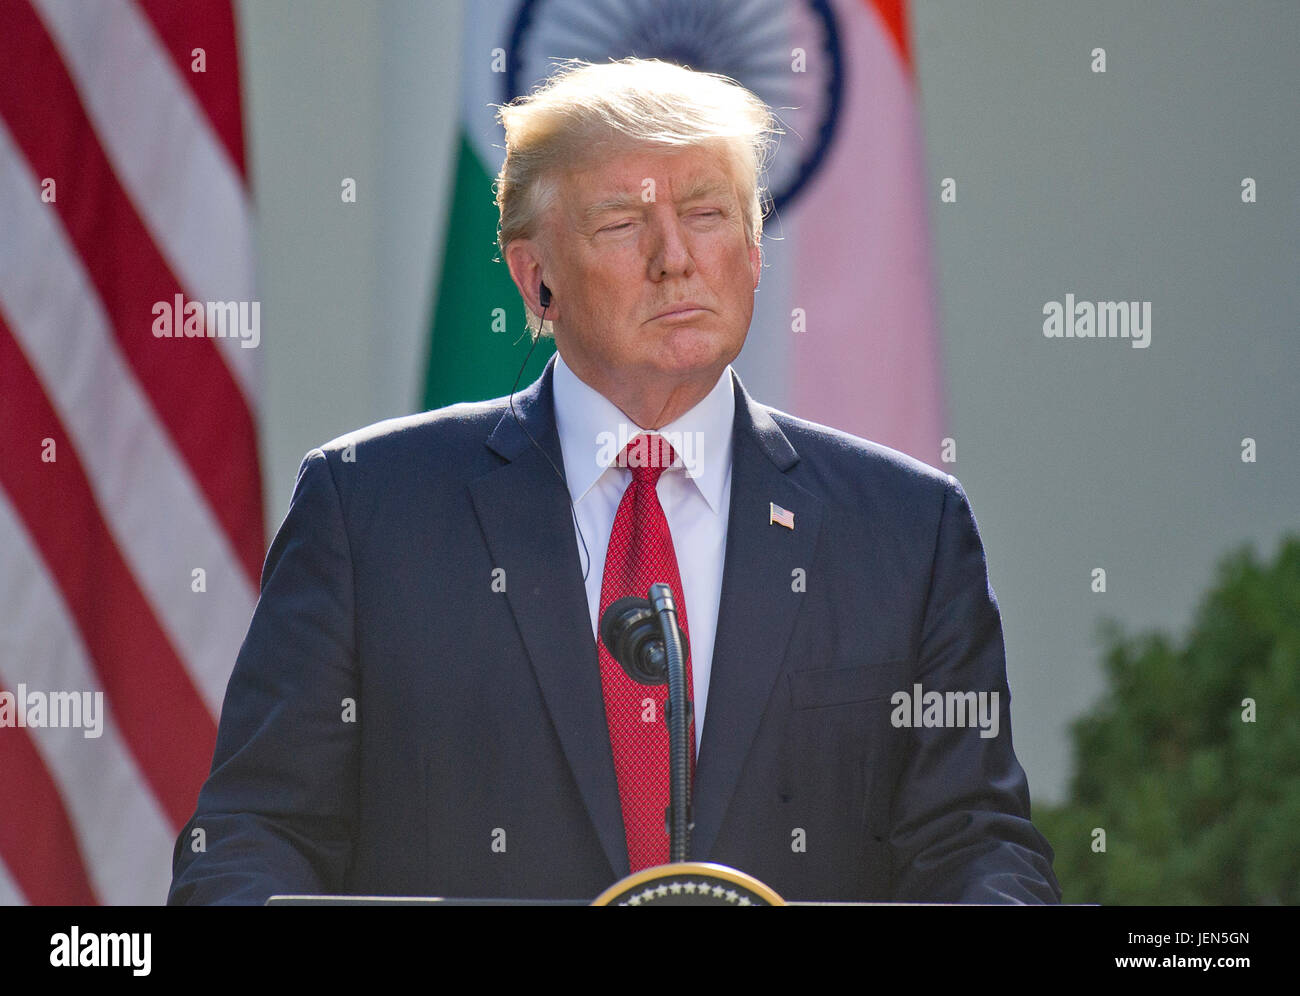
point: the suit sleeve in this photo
(961, 829)
(279, 808)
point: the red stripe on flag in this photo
(37, 841)
(894, 14)
(193, 391)
(161, 715)
(209, 25)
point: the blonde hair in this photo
(585, 110)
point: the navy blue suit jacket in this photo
(398, 725)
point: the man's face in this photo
(652, 275)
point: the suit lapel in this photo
(757, 608)
(523, 508)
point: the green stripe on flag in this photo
(468, 361)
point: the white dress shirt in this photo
(695, 496)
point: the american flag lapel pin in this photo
(778, 516)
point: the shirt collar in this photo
(593, 431)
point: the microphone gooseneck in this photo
(643, 636)
(678, 717)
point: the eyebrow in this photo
(697, 190)
(618, 203)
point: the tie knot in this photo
(647, 457)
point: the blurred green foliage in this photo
(1198, 805)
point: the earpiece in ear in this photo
(544, 295)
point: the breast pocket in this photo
(841, 713)
(842, 749)
(847, 684)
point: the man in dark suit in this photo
(421, 706)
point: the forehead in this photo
(623, 176)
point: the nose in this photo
(669, 252)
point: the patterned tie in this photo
(641, 554)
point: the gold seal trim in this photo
(686, 869)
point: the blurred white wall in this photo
(337, 89)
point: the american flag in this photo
(131, 530)
(780, 516)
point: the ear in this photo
(756, 263)
(524, 260)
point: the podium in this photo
(684, 883)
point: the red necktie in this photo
(641, 554)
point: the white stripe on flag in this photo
(158, 517)
(10, 894)
(188, 193)
(125, 838)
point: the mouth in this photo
(684, 311)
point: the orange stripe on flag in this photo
(894, 14)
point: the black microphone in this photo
(632, 635)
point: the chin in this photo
(690, 350)
(688, 363)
